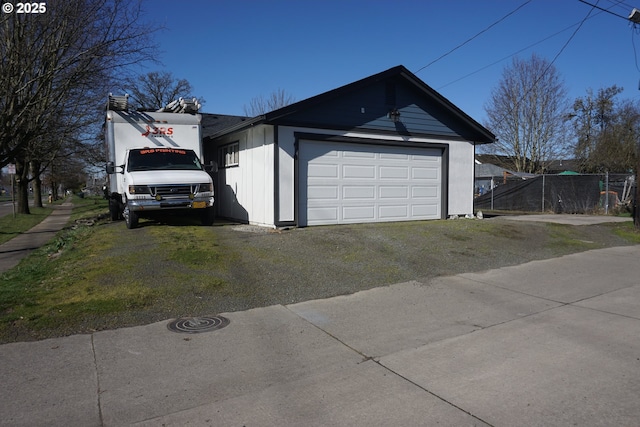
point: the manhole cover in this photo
(196, 325)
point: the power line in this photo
(535, 83)
(621, 3)
(635, 53)
(509, 56)
(569, 41)
(537, 43)
(595, 6)
(475, 36)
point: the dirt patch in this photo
(319, 262)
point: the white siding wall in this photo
(286, 184)
(245, 192)
(461, 160)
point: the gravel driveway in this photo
(282, 267)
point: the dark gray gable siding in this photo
(365, 104)
(366, 108)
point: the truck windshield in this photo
(162, 158)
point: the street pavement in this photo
(6, 208)
(546, 343)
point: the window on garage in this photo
(229, 155)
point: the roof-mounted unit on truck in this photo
(180, 105)
(118, 103)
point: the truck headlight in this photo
(138, 189)
(205, 187)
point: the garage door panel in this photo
(359, 192)
(322, 215)
(427, 155)
(424, 211)
(425, 192)
(350, 171)
(394, 172)
(358, 155)
(431, 173)
(425, 161)
(398, 212)
(395, 156)
(353, 183)
(323, 171)
(320, 192)
(358, 214)
(329, 154)
(394, 192)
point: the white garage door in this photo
(355, 183)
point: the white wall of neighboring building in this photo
(461, 179)
(246, 191)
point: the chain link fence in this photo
(564, 193)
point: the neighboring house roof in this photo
(487, 170)
(552, 167)
(558, 166)
(364, 104)
(214, 123)
(505, 162)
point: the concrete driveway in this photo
(547, 343)
(568, 218)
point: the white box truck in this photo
(153, 162)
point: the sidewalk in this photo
(547, 343)
(20, 246)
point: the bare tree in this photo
(607, 130)
(156, 89)
(527, 113)
(55, 69)
(261, 105)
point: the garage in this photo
(384, 148)
(343, 183)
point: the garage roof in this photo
(215, 123)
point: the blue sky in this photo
(233, 51)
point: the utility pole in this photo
(634, 17)
(636, 199)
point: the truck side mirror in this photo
(111, 168)
(212, 167)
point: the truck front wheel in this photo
(130, 217)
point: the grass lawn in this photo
(96, 274)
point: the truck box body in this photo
(154, 165)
